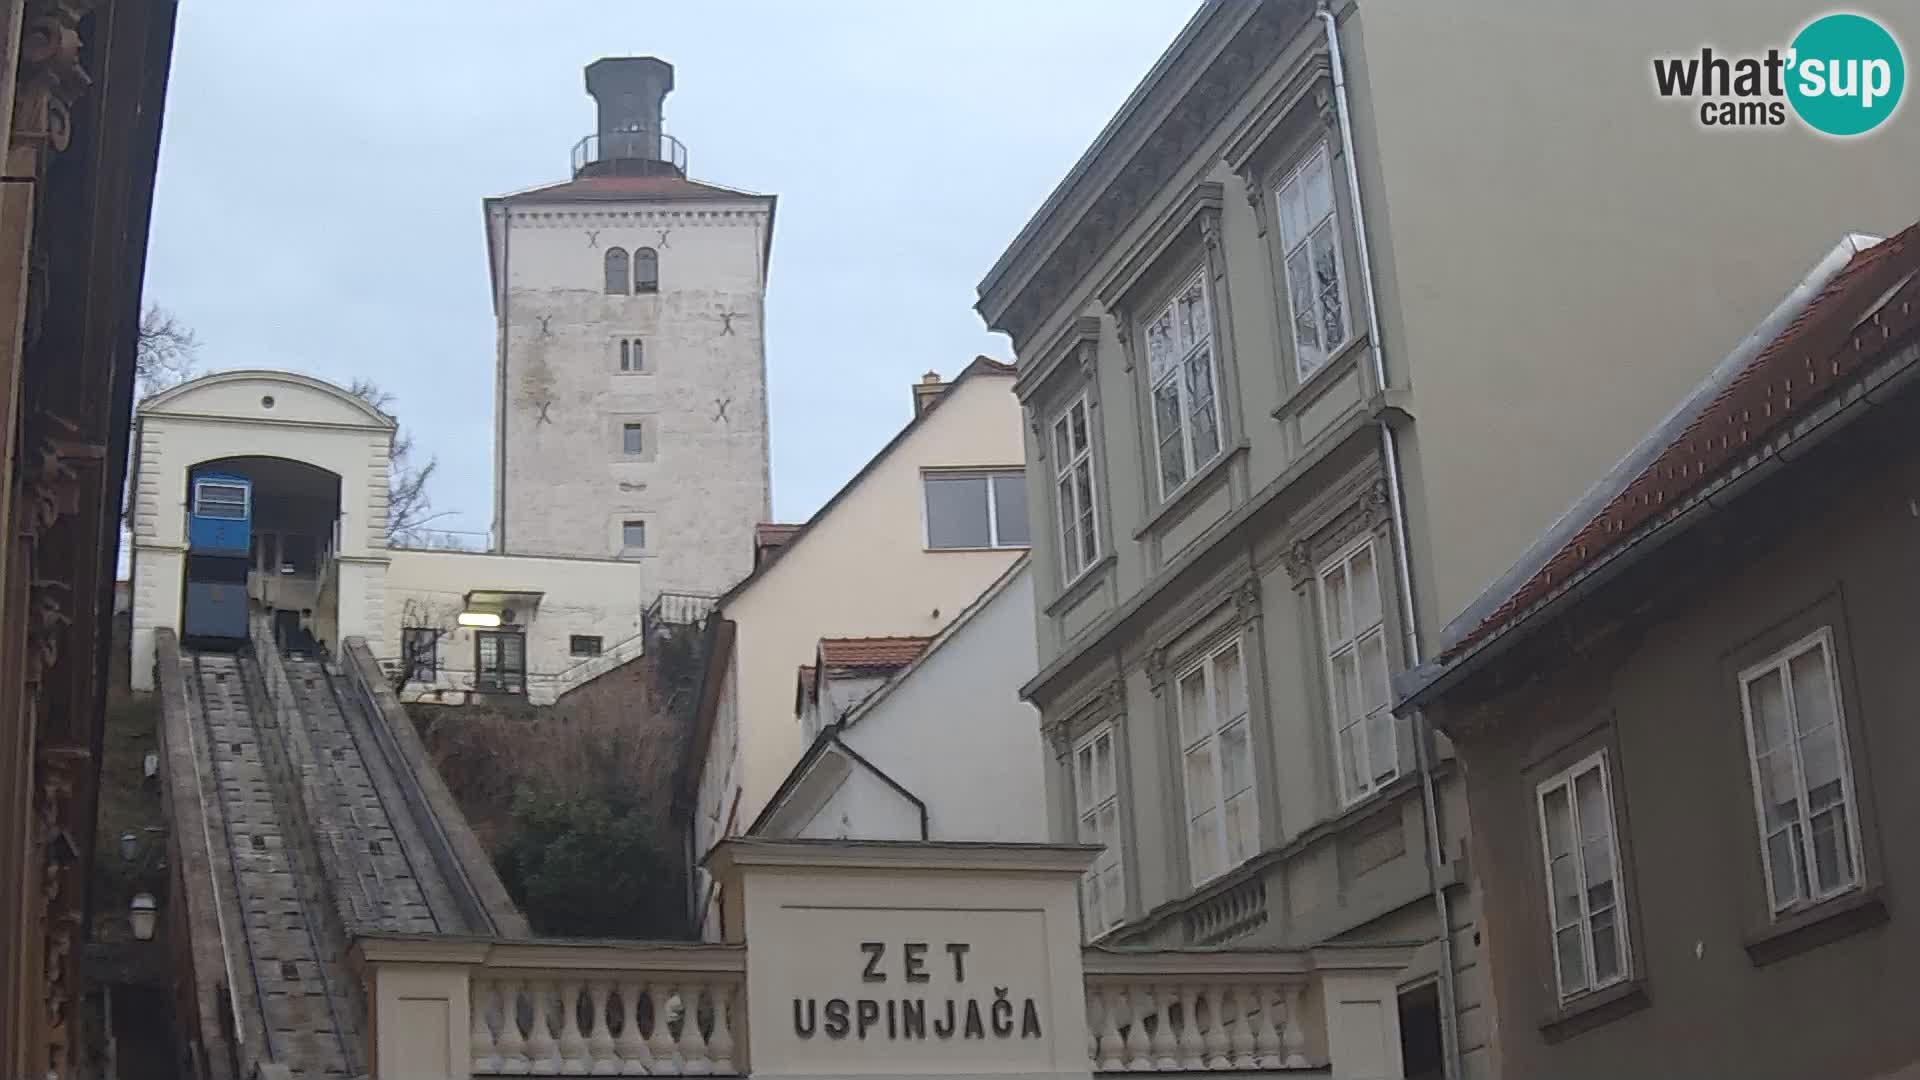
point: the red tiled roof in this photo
(1832, 340)
(615, 188)
(871, 652)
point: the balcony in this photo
(629, 153)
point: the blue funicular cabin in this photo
(220, 514)
(261, 538)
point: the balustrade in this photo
(1158, 1014)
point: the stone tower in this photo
(630, 398)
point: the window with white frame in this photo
(967, 510)
(1181, 377)
(220, 499)
(1584, 899)
(1216, 752)
(1073, 488)
(1315, 268)
(1096, 803)
(1355, 634)
(1802, 776)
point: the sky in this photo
(322, 166)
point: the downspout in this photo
(1403, 570)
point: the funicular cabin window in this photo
(500, 661)
(214, 499)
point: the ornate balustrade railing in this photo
(1198, 1011)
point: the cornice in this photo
(573, 216)
(1081, 332)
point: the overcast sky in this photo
(318, 204)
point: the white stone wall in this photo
(701, 482)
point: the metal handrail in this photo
(644, 144)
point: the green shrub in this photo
(583, 865)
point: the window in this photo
(976, 510)
(1073, 487)
(646, 271)
(632, 355)
(1217, 764)
(1583, 878)
(584, 644)
(1096, 803)
(633, 535)
(1356, 643)
(1802, 777)
(1310, 243)
(616, 272)
(219, 499)
(631, 443)
(1180, 372)
(420, 652)
(500, 661)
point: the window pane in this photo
(1573, 961)
(1203, 845)
(1306, 324)
(1069, 544)
(957, 512)
(1832, 850)
(1113, 897)
(1078, 419)
(1202, 407)
(1162, 353)
(1326, 280)
(1236, 759)
(1316, 184)
(1062, 452)
(1294, 219)
(1345, 709)
(1166, 418)
(633, 534)
(630, 438)
(1203, 792)
(1784, 866)
(1083, 778)
(1381, 746)
(1779, 795)
(1812, 691)
(1103, 777)
(1766, 701)
(1010, 509)
(1820, 757)
(1373, 672)
(1243, 828)
(1334, 596)
(616, 267)
(1109, 828)
(1353, 758)
(1083, 486)
(1606, 947)
(1230, 681)
(1365, 582)
(1193, 315)
(1196, 719)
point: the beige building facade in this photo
(1306, 359)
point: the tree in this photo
(583, 865)
(407, 502)
(165, 352)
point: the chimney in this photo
(925, 391)
(631, 137)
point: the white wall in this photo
(702, 481)
(602, 597)
(228, 415)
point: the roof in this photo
(769, 534)
(165, 398)
(865, 653)
(981, 365)
(1813, 345)
(626, 189)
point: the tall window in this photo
(1217, 764)
(632, 356)
(500, 661)
(1073, 488)
(633, 535)
(1316, 286)
(632, 442)
(976, 510)
(420, 651)
(1180, 369)
(1096, 802)
(1356, 642)
(646, 270)
(1802, 776)
(1583, 878)
(616, 271)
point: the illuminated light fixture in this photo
(143, 913)
(479, 618)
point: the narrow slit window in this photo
(632, 355)
(632, 441)
(633, 535)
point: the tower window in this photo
(616, 271)
(632, 356)
(646, 271)
(633, 535)
(631, 442)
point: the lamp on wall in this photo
(143, 912)
(479, 618)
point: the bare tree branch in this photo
(407, 503)
(165, 352)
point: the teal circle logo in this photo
(1846, 74)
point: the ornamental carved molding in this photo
(1210, 229)
(61, 770)
(1246, 601)
(51, 79)
(1156, 667)
(1113, 699)
(1369, 511)
(1298, 562)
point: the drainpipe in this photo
(1403, 570)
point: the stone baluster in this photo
(1266, 1039)
(631, 1046)
(666, 1059)
(1139, 1050)
(486, 1058)
(573, 1045)
(1111, 1052)
(512, 1046)
(1166, 1049)
(600, 1038)
(720, 1045)
(1217, 1045)
(542, 1051)
(1244, 1034)
(1192, 1047)
(693, 1045)
(1293, 1037)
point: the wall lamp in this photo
(479, 618)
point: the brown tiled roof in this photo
(871, 652)
(617, 188)
(1832, 340)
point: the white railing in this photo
(622, 1016)
(1195, 1012)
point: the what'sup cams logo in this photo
(1842, 75)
